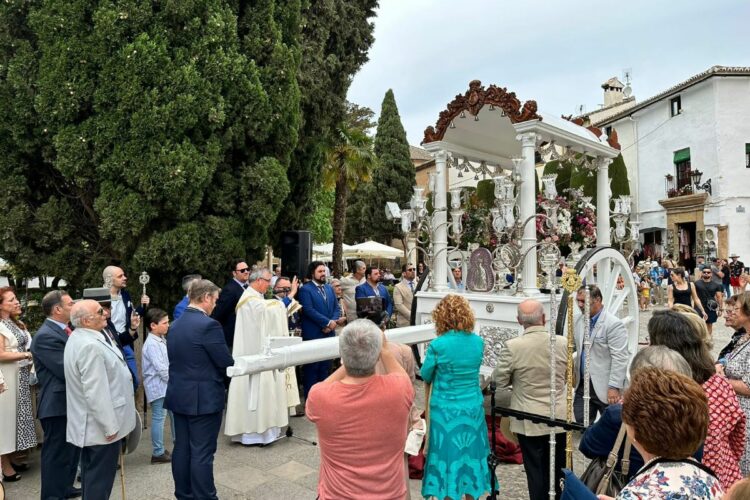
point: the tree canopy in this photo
(170, 136)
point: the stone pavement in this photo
(286, 469)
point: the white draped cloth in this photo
(258, 405)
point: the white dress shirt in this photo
(119, 314)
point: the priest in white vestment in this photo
(258, 405)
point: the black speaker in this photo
(296, 253)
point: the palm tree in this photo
(348, 163)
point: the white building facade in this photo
(700, 125)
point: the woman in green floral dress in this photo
(457, 446)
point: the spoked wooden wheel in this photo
(608, 269)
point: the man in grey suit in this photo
(608, 357)
(59, 458)
(100, 405)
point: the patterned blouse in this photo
(663, 479)
(738, 368)
(725, 440)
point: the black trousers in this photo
(98, 469)
(595, 404)
(59, 459)
(193, 455)
(535, 451)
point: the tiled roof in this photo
(417, 153)
(712, 71)
(605, 108)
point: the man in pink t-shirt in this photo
(362, 419)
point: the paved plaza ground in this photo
(286, 469)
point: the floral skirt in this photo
(456, 462)
(25, 430)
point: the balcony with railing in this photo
(686, 182)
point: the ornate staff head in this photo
(571, 281)
(144, 279)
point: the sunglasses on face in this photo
(243, 270)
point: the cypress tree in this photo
(395, 175)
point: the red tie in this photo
(68, 331)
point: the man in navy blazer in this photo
(59, 458)
(373, 288)
(320, 316)
(198, 359)
(228, 299)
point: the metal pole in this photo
(586, 351)
(553, 388)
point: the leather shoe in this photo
(74, 493)
(20, 467)
(161, 459)
(11, 479)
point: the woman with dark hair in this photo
(666, 417)
(736, 367)
(681, 291)
(457, 447)
(725, 442)
(17, 432)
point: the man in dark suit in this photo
(198, 359)
(320, 317)
(228, 299)
(59, 458)
(373, 288)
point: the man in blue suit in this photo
(198, 359)
(373, 288)
(181, 305)
(320, 317)
(59, 458)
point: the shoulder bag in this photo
(600, 475)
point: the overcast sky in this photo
(555, 52)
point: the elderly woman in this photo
(17, 432)
(457, 451)
(737, 369)
(725, 442)
(600, 437)
(666, 417)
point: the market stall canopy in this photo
(325, 251)
(373, 250)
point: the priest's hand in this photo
(295, 286)
(145, 300)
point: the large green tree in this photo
(348, 163)
(154, 135)
(336, 36)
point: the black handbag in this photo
(600, 475)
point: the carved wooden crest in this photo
(473, 100)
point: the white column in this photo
(602, 203)
(527, 204)
(440, 227)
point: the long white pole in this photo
(527, 206)
(312, 351)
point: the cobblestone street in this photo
(286, 469)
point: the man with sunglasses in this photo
(711, 295)
(228, 299)
(403, 293)
(99, 394)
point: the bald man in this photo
(99, 397)
(525, 365)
